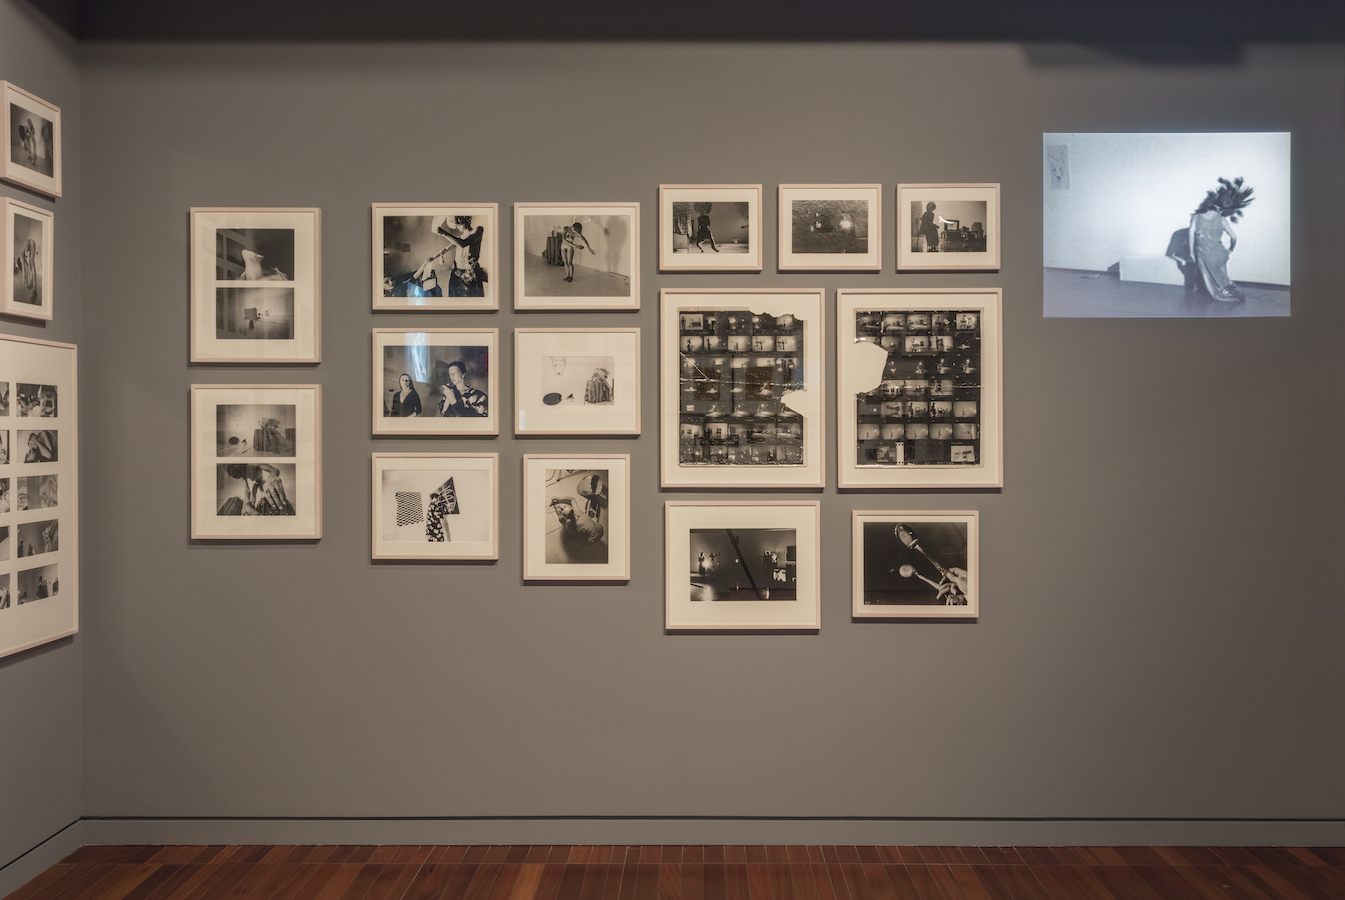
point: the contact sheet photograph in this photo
(742, 566)
(576, 517)
(256, 453)
(915, 565)
(709, 228)
(436, 506)
(33, 128)
(436, 256)
(577, 381)
(577, 256)
(28, 233)
(255, 279)
(39, 493)
(741, 400)
(831, 227)
(948, 227)
(436, 381)
(919, 388)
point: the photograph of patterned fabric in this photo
(437, 506)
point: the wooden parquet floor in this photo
(691, 873)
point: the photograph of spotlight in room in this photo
(710, 227)
(743, 564)
(38, 584)
(914, 564)
(948, 226)
(435, 257)
(834, 227)
(434, 381)
(576, 256)
(34, 538)
(254, 429)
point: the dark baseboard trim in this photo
(32, 862)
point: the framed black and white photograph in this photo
(577, 381)
(948, 227)
(741, 389)
(915, 565)
(28, 234)
(39, 495)
(918, 388)
(442, 381)
(256, 454)
(436, 256)
(436, 506)
(742, 566)
(255, 276)
(33, 127)
(831, 227)
(576, 517)
(709, 228)
(1166, 225)
(570, 256)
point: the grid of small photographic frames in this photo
(927, 409)
(736, 367)
(28, 489)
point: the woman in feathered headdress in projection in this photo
(1209, 223)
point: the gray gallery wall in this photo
(1158, 653)
(40, 689)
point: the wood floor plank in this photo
(971, 886)
(60, 874)
(1123, 883)
(646, 880)
(612, 888)
(595, 879)
(482, 881)
(713, 881)
(947, 882)
(906, 884)
(571, 882)
(669, 879)
(693, 881)
(505, 881)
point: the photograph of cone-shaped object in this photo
(908, 571)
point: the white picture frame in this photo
(831, 228)
(455, 381)
(577, 381)
(727, 421)
(436, 506)
(576, 517)
(256, 453)
(436, 257)
(713, 584)
(29, 235)
(910, 383)
(962, 247)
(255, 285)
(689, 234)
(915, 565)
(593, 267)
(33, 139)
(39, 492)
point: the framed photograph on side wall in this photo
(948, 227)
(33, 129)
(577, 381)
(255, 277)
(709, 227)
(442, 381)
(256, 454)
(742, 566)
(29, 236)
(915, 565)
(576, 256)
(39, 493)
(919, 393)
(441, 506)
(576, 517)
(436, 256)
(831, 227)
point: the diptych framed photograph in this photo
(576, 517)
(948, 227)
(740, 389)
(29, 235)
(442, 381)
(915, 565)
(919, 388)
(255, 277)
(576, 256)
(742, 566)
(256, 453)
(709, 227)
(577, 381)
(33, 127)
(831, 227)
(436, 256)
(437, 506)
(39, 493)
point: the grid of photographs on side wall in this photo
(30, 526)
(927, 408)
(737, 369)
